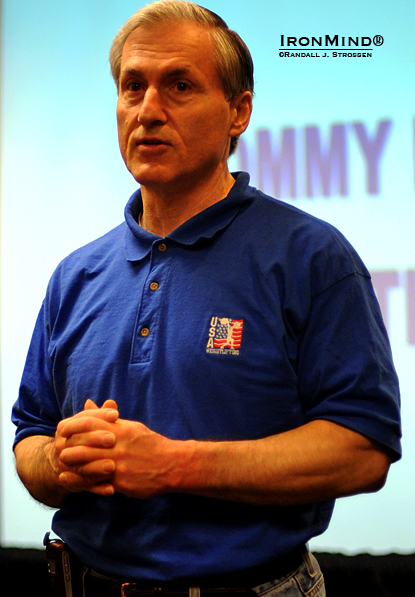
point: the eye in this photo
(182, 86)
(134, 86)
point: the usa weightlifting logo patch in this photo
(225, 335)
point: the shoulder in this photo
(95, 251)
(304, 244)
(86, 262)
(294, 223)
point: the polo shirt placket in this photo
(148, 315)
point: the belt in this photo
(237, 583)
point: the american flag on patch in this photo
(228, 333)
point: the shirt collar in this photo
(206, 224)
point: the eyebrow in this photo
(175, 72)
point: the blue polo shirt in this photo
(250, 319)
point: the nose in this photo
(151, 110)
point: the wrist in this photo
(196, 463)
(34, 458)
(53, 473)
(49, 449)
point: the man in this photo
(207, 378)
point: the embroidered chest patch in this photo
(225, 335)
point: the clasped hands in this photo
(97, 451)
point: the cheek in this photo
(123, 127)
(207, 130)
(212, 135)
(121, 137)
(215, 125)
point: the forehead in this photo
(189, 44)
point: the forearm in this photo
(316, 462)
(38, 471)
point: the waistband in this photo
(238, 583)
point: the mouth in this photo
(150, 142)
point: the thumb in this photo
(110, 404)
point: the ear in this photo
(241, 109)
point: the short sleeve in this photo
(346, 373)
(36, 411)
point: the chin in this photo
(154, 176)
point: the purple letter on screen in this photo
(326, 170)
(372, 151)
(277, 169)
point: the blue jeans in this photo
(307, 581)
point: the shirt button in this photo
(144, 332)
(154, 286)
(162, 247)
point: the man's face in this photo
(174, 122)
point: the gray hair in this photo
(233, 59)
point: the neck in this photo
(164, 212)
